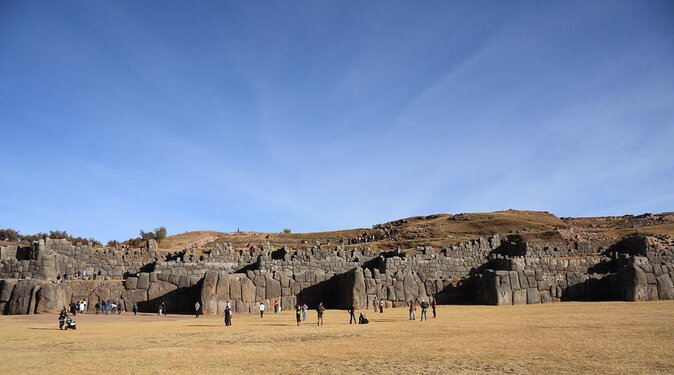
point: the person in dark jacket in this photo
(320, 310)
(352, 315)
(62, 318)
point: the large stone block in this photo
(520, 297)
(533, 296)
(134, 296)
(143, 281)
(273, 288)
(222, 290)
(6, 287)
(247, 290)
(22, 298)
(131, 282)
(234, 287)
(665, 287)
(51, 298)
(159, 289)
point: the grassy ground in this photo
(553, 338)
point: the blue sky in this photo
(318, 115)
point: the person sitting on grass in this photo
(362, 319)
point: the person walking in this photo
(320, 310)
(298, 314)
(304, 311)
(352, 315)
(228, 315)
(62, 317)
(413, 310)
(424, 309)
(261, 309)
(197, 306)
(433, 304)
(135, 308)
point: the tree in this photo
(159, 233)
(9, 234)
(146, 235)
(59, 235)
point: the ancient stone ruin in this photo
(494, 270)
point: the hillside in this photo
(441, 230)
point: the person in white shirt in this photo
(261, 309)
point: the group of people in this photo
(352, 317)
(108, 307)
(424, 309)
(78, 307)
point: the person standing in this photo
(433, 304)
(413, 310)
(375, 304)
(320, 310)
(62, 317)
(228, 315)
(304, 311)
(298, 314)
(381, 306)
(352, 315)
(135, 308)
(197, 306)
(424, 309)
(261, 309)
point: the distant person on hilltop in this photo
(320, 310)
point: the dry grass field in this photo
(604, 337)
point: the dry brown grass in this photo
(608, 337)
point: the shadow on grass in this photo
(45, 329)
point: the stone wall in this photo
(489, 270)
